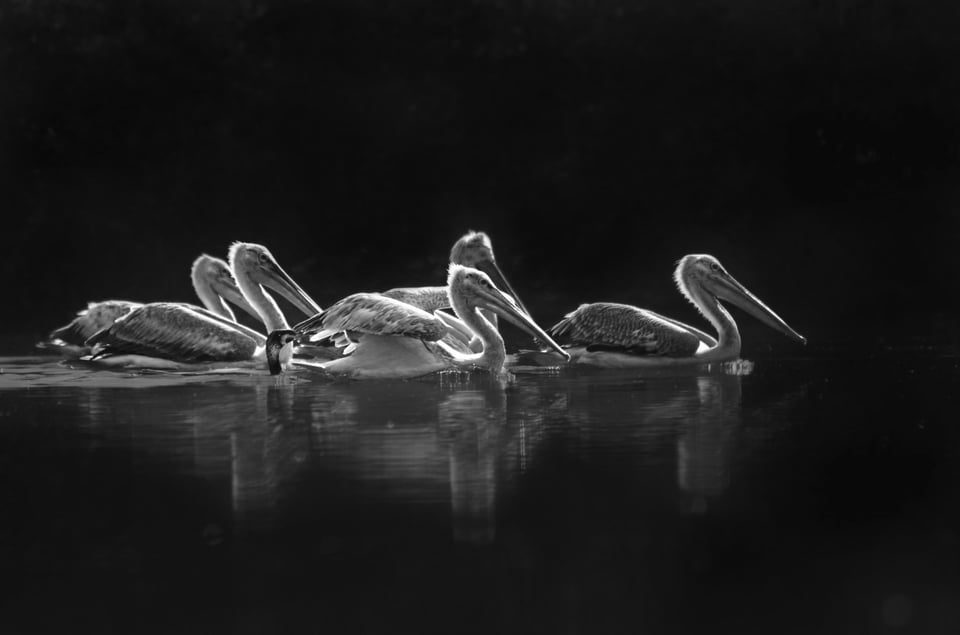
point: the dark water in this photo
(802, 495)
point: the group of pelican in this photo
(404, 331)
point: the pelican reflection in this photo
(345, 457)
(471, 422)
(423, 445)
(685, 423)
(706, 443)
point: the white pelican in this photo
(175, 336)
(212, 281)
(623, 336)
(475, 250)
(398, 340)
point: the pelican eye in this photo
(716, 267)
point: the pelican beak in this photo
(506, 307)
(277, 279)
(231, 293)
(727, 288)
(490, 268)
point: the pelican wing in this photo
(433, 300)
(627, 329)
(427, 298)
(375, 314)
(97, 316)
(259, 338)
(176, 332)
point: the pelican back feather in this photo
(97, 316)
(429, 299)
(607, 326)
(176, 332)
(376, 314)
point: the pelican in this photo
(618, 335)
(475, 250)
(212, 281)
(399, 340)
(174, 336)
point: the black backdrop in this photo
(810, 145)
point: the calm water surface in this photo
(801, 495)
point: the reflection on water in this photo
(470, 422)
(454, 440)
(617, 470)
(707, 437)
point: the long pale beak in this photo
(278, 280)
(490, 268)
(232, 294)
(727, 288)
(505, 306)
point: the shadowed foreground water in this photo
(797, 496)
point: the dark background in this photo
(810, 145)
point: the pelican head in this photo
(214, 275)
(253, 262)
(697, 272)
(471, 248)
(474, 249)
(276, 341)
(471, 289)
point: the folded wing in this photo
(176, 332)
(607, 326)
(374, 314)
